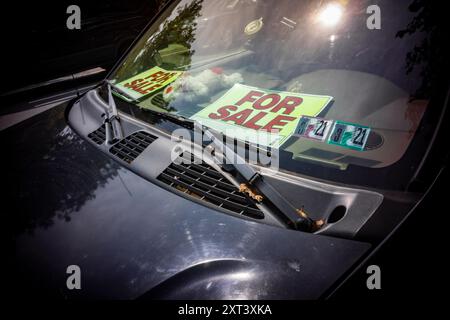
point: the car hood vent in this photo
(98, 136)
(200, 180)
(132, 146)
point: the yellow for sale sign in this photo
(148, 82)
(249, 113)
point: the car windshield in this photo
(334, 82)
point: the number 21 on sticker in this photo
(313, 128)
(349, 135)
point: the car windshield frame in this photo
(396, 176)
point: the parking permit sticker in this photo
(148, 82)
(349, 135)
(313, 128)
(257, 112)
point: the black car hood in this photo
(70, 204)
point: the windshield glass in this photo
(342, 98)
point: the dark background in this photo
(37, 47)
(413, 261)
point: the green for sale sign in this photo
(349, 135)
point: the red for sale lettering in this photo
(257, 100)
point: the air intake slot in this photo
(98, 136)
(132, 146)
(202, 181)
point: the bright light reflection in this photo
(331, 14)
(241, 276)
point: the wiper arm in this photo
(113, 127)
(296, 218)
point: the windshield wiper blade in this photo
(120, 91)
(296, 218)
(180, 120)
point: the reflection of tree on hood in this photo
(431, 56)
(52, 173)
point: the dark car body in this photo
(133, 238)
(72, 204)
(75, 201)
